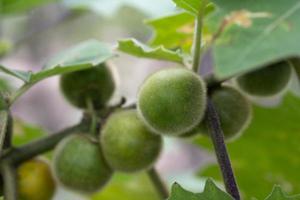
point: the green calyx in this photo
(127, 144)
(96, 84)
(172, 101)
(79, 164)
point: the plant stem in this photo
(198, 38)
(19, 92)
(10, 184)
(28, 151)
(3, 127)
(158, 183)
(217, 137)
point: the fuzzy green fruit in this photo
(95, 84)
(172, 101)
(35, 180)
(268, 81)
(127, 144)
(79, 164)
(234, 112)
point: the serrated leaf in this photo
(211, 192)
(84, 55)
(173, 32)
(22, 75)
(278, 194)
(268, 151)
(191, 6)
(256, 33)
(136, 48)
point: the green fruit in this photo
(95, 84)
(35, 180)
(172, 101)
(268, 81)
(127, 144)
(79, 164)
(234, 112)
(296, 64)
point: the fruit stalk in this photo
(158, 183)
(198, 38)
(10, 184)
(217, 137)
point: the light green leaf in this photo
(136, 48)
(24, 133)
(84, 55)
(173, 32)
(267, 153)
(257, 33)
(191, 6)
(22, 75)
(5, 46)
(128, 187)
(278, 194)
(211, 192)
(18, 6)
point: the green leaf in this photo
(257, 33)
(191, 6)
(22, 75)
(18, 6)
(278, 194)
(5, 47)
(128, 187)
(267, 153)
(84, 55)
(173, 32)
(24, 132)
(136, 48)
(211, 192)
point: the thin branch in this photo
(32, 149)
(10, 183)
(158, 183)
(197, 46)
(217, 137)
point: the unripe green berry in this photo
(234, 111)
(95, 84)
(127, 144)
(35, 181)
(172, 101)
(267, 81)
(79, 164)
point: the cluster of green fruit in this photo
(171, 102)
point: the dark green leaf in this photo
(256, 33)
(278, 194)
(211, 192)
(267, 153)
(136, 48)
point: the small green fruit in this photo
(95, 84)
(234, 112)
(296, 64)
(127, 144)
(268, 81)
(35, 180)
(172, 101)
(79, 164)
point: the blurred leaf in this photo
(5, 47)
(84, 55)
(136, 48)
(173, 31)
(24, 133)
(128, 187)
(267, 153)
(22, 75)
(191, 6)
(211, 192)
(4, 85)
(278, 194)
(18, 6)
(255, 33)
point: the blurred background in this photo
(33, 31)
